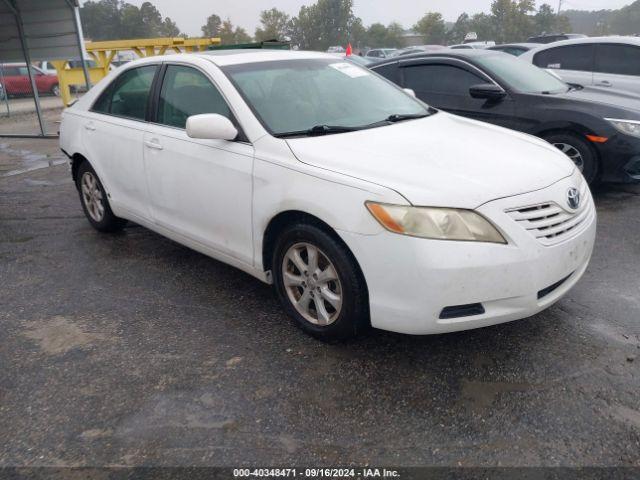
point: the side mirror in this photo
(487, 91)
(410, 92)
(211, 126)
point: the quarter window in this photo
(185, 92)
(128, 95)
(618, 59)
(572, 57)
(444, 79)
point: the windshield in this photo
(297, 95)
(522, 76)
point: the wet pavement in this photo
(130, 349)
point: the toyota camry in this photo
(362, 205)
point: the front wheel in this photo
(94, 201)
(55, 90)
(319, 284)
(579, 151)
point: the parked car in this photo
(15, 80)
(417, 49)
(336, 49)
(515, 49)
(363, 208)
(554, 37)
(607, 62)
(599, 130)
(378, 53)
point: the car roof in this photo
(521, 44)
(461, 54)
(590, 40)
(234, 57)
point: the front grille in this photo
(550, 223)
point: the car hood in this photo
(628, 101)
(441, 160)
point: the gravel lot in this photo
(133, 350)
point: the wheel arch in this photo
(290, 217)
(76, 160)
(572, 129)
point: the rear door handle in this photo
(90, 126)
(154, 145)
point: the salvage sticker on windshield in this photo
(349, 69)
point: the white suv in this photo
(609, 62)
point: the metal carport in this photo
(34, 30)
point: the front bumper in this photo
(411, 281)
(620, 159)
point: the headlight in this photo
(628, 127)
(435, 223)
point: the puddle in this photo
(30, 161)
(59, 335)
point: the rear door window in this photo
(128, 95)
(570, 57)
(618, 59)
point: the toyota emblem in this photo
(573, 198)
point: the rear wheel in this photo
(94, 201)
(319, 284)
(55, 90)
(579, 151)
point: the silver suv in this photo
(607, 62)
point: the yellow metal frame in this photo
(104, 52)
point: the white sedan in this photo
(362, 205)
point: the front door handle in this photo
(90, 126)
(154, 145)
(604, 83)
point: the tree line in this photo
(333, 22)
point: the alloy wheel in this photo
(573, 153)
(312, 284)
(92, 196)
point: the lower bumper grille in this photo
(457, 311)
(551, 288)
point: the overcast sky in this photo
(190, 15)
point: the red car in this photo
(14, 80)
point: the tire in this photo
(94, 201)
(335, 320)
(55, 90)
(580, 152)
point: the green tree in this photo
(626, 21)
(395, 37)
(131, 23)
(212, 27)
(274, 25)
(324, 24)
(432, 27)
(151, 20)
(115, 19)
(460, 29)
(230, 35)
(483, 25)
(101, 19)
(168, 28)
(376, 35)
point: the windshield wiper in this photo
(400, 117)
(318, 130)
